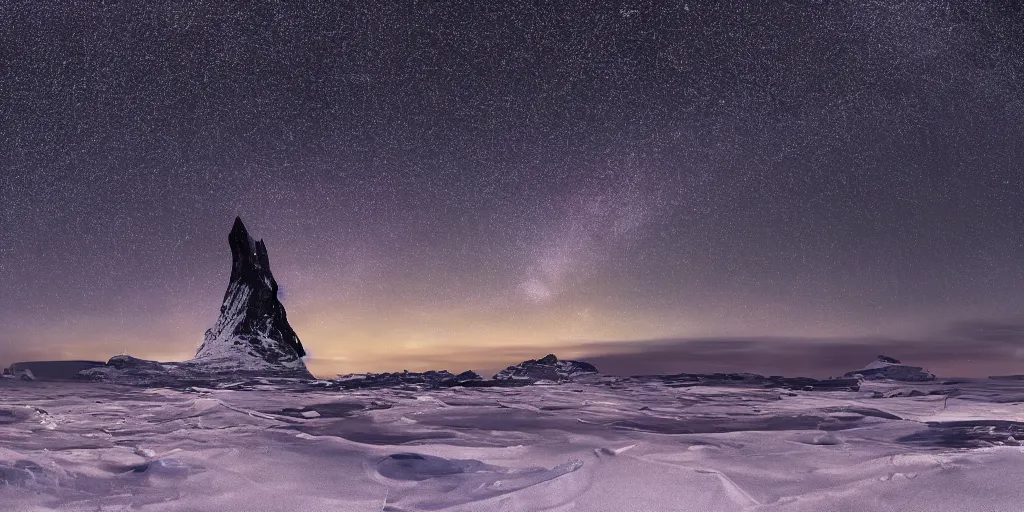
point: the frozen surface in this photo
(618, 446)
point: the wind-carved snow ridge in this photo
(632, 444)
(252, 332)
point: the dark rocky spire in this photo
(253, 327)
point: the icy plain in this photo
(613, 445)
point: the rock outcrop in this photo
(252, 332)
(468, 376)
(887, 368)
(132, 371)
(125, 369)
(251, 340)
(547, 368)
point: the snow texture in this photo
(610, 445)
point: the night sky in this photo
(782, 187)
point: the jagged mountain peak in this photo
(252, 331)
(248, 255)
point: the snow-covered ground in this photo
(628, 446)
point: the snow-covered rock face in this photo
(125, 369)
(887, 368)
(547, 368)
(252, 332)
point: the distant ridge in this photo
(888, 368)
(547, 368)
(52, 370)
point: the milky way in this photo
(461, 184)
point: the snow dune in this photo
(573, 447)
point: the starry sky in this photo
(784, 187)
